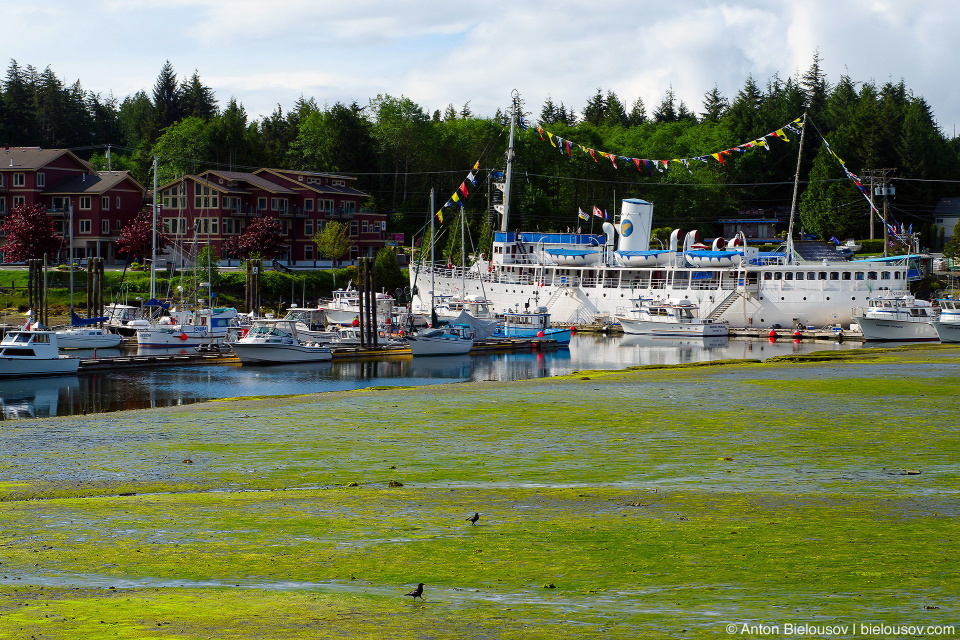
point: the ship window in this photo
(823, 275)
(859, 275)
(834, 275)
(768, 276)
(788, 275)
(777, 276)
(811, 275)
(846, 275)
(886, 275)
(871, 275)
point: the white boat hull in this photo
(896, 330)
(634, 326)
(443, 346)
(177, 336)
(87, 339)
(267, 353)
(948, 332)
(17, 367)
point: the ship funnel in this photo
(719, 243)
(690, 240)
(636, 222)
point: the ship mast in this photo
(796, 186)
(510, 156)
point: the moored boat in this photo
(533, 324)
(898, 318)
(206, 327)
(948, 325)
(34, 353)
(441, 341)
(272, 341)
(87, 338)
(656, 318)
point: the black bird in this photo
(473, 519)
(417, 593)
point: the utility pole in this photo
(883, 175)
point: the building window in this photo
(278, 204)
(85, 226)
(105, 227)
(41, 180)
(308, 228)
(308, 252)
(3, 205)
(308, 204)
(230, 226)
(176, 226)
(353, 228)
(365, 226)
(326, 206)
(85, 203)
(118, 203)
(349, 206)
(261, 204)
(18, 180)
(337, 183)
(19, 201)
(204, 197)
(105, 203)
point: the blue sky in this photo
(266, 53)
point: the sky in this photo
(267, 53)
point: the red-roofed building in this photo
(103, 202)
(215, 205)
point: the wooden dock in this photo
(92, 365)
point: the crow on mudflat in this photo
(416, 593)
(473, 519)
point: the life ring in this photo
(203, 332)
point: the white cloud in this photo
(445, 52)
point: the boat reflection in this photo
(36, 397)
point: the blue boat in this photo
(533, 324)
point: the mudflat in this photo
(680, 502)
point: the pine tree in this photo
(667, 111)
(815, 86)
(638, 114)
(197, 99)
(20, 108)
(166, 99)
(615, 115)
(715, 105)
(595, 111)
(548, 114)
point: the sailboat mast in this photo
(153, 246)
(506, 185)
(796, 187)
(463, 254)
(70, 260)
(432, 243)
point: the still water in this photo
(107, 391)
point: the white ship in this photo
(582, 278)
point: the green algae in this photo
(661, 502)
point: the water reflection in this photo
(169, 384)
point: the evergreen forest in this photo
(399, 149)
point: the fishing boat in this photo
(583, 278)
(275, 341)
(666, 318)
(34, 353)
(898, 318)
(533, 324)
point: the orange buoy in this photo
(773, 333)
(183, 336)
(539, 334)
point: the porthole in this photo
(781, 298)
(804, 297)
(828, 297)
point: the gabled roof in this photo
(33, 158)
(947, 208)
(252, 179)
(101, 182)
(285, 174)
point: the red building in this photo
(215, 205)
(102, 202)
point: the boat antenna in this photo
(796, 186)
(510, 156)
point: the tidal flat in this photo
(658, 502)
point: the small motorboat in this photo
(34, 353)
